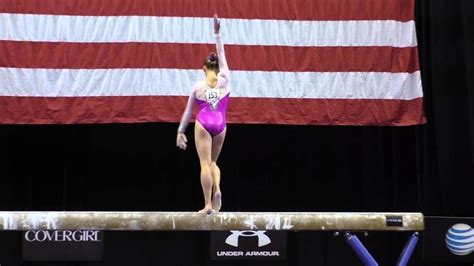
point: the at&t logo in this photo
(460, 239)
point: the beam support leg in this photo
(360, 250)
(408, 250)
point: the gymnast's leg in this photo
(204, 149)
(217, 143)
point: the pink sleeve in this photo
(223, 67)
(188, 112)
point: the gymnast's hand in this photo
(217, 24)
(181, 141)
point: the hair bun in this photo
(212, 57)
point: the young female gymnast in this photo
(211, 96)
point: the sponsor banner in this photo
(448, 240)
(63, 245)
(248, 245)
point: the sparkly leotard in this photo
(213, 118)
(212, 102)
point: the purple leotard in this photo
(213, 119)
(212, 102)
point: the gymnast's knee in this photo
(206, 167)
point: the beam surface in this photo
(193, 221)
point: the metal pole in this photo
(361, 251)
(408, 250)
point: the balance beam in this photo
(193, 221)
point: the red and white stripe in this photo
(337, 62)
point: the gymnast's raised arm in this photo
(223, 67)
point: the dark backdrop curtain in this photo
(265, 167)
(446, 37)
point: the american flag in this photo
(324, 62)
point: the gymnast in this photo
(211, 95)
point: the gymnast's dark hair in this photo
(211, 62)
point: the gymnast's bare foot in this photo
(217, 201)
(207, 209)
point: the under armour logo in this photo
(233, 239)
